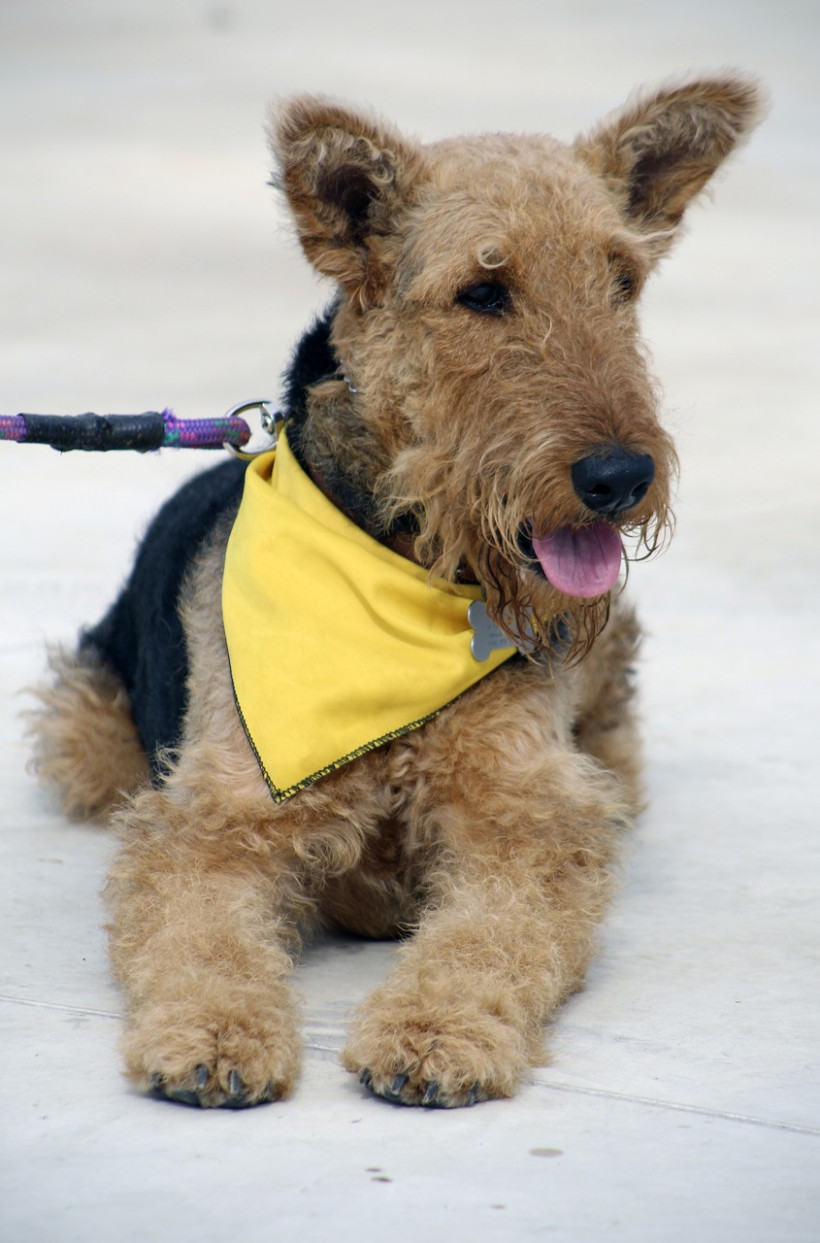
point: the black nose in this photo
(613, 480)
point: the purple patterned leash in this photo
(152, 430)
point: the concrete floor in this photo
(144, 263)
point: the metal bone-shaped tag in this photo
(488, 637)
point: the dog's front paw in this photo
(231, 1060)
(441, 1061)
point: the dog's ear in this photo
(347, 178)
(661, 149)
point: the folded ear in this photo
(347, 177)
(658, 152)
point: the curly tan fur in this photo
(86, 748)
(488, 836)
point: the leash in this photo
(143, 432)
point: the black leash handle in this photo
(98, 432)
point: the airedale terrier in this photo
(381, 678)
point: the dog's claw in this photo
(431, 1096)
(397, 1085)
(202, 1076)
(234, 1083)
(391, 1092)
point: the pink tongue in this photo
(583, 562)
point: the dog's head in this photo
(496, 390)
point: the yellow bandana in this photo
(336, 643)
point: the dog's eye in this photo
(625, 287)
(488, 298)
(625, 281)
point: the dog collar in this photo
(336, 643)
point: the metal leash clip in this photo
(270, 420)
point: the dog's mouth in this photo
(579, 561)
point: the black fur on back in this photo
(141, 637)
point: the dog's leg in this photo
(205, 896)
(526, 828)
(201, 934)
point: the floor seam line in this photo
(63, 1009)
(680, 1107)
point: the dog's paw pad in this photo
(402, 1089)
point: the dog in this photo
(380, 678)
